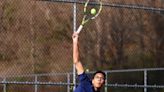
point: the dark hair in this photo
(103, 73)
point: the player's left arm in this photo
(76, 61)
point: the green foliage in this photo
(8, 14)
(19, 79)
(40, 66)
(125, 90)
(61, 32)
(4, 57)
(140, 60)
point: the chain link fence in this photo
(35, 38)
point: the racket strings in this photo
(92, 4)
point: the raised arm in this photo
(76, 61)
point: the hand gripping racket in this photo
(95, 4)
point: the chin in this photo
(98, 86)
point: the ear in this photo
(92, 81)
(104, 82)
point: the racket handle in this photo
(79, 29)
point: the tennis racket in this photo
(90, 4)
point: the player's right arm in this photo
(76, 61)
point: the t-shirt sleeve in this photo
(85, 84)
(83, 77)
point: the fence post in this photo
(68, 82)
(4, 85)
(36, 85)
(145, 80)
(74, 29)
(106, 82)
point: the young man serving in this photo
(85, 84)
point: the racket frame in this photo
(84, 20)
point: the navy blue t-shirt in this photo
(85, 84)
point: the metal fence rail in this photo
(69, 84)
(116, 5)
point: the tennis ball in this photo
(93, 11)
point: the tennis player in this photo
(85, 83)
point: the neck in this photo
(97, 89)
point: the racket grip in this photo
(79, 29)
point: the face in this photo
(98, 80)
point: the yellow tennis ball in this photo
(93, 11)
